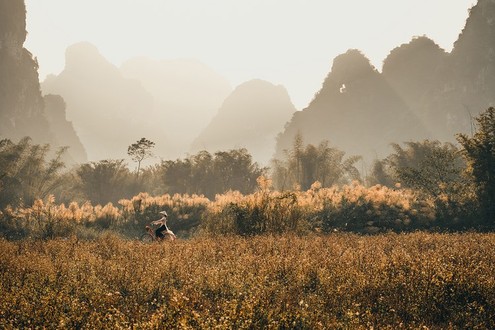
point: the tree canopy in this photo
(140, 150)
(304, 165)
(479, 151)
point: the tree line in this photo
(27, 172)
(459, 180)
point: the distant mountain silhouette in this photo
(468, 75)
(63, 129)
(108, 111)
(422, 92)
(187, 94)
(167, 102)
(22, 107)
(356, 110)
(448, 90)
(414, 70)
(249, 118)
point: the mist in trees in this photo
(431, 167)
(26, 172)
(456, 182)
(305, 164)
(104, 181)
(209, 174)
(479, 152)
(437, 173)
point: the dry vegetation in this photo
(270, 259)
(351, 208)
(313, 282)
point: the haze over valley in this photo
(98, 108)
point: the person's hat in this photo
(164, 213)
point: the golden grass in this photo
(341, 281)
(349, 208)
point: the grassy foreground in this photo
(337, 281)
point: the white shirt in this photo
(162, 221)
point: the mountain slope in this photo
(469, 76)
(22, 107)
(64, 130)
(187, 94)
(167, 102)
(356, 110)
(108, 111)
(413, 70)
(249, 118)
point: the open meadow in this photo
(336, 281)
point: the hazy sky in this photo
(288, 42)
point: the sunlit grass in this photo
(312, 282)
(353, 208)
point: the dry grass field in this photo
(336, 281)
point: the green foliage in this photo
(305, 165)
(352, 208)
(429, 166)
(25, 172)
(104, 181)
(140, 150)
(432, 194)
(208, 174)
(435, 171)
(479, 151)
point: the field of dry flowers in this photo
(350, 208)
(337, 281)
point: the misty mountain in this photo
(64, 130)
(422, 92)
(22, 107)
(414, 70)
(20, 98)
(187, 94)
(108, 111)
(168, 102)
(356, 110)
(250, 117)
(446, 90)
(468, 75)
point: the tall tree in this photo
(140, 150)
(209, 174)
(303, 165)
(26, 173)
(479, 151)
(235, 170)
(104, 181)
(435, 171)
(428, 166)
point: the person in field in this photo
(163, 230)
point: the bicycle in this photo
(150, 236)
